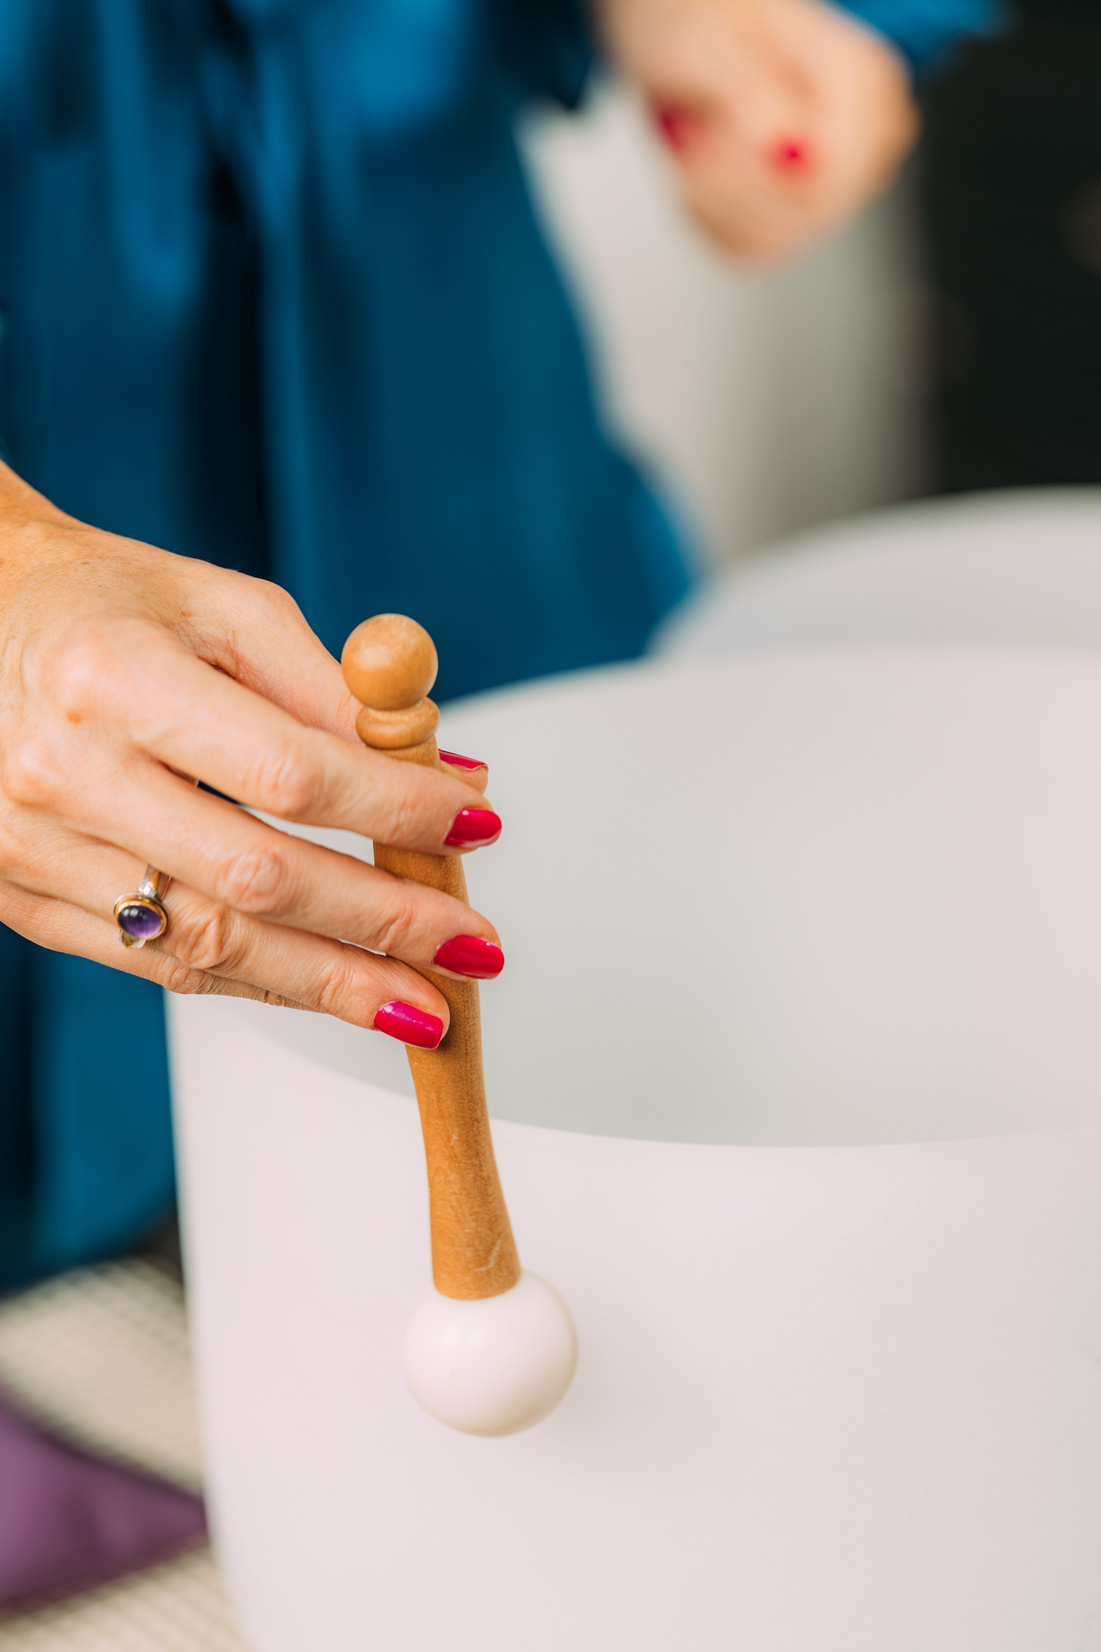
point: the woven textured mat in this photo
(101, 1356)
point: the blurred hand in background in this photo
(783, 117)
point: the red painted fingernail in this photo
(409, 1024)
(677, 126)
(470, 955)
(790, 155)
(458, 762)
(473, 829)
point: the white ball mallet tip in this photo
(496, 1365)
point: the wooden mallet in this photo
(492, 1349)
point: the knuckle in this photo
(289, 782)
(80, 667)
(397, 924)
(27, 774)
(412, 820)
(335, 988)
(280, 600)
(256, 880)
(203, 937)
(181, 978)
(278, 1000)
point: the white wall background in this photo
(765, 402)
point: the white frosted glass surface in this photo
(801, 899)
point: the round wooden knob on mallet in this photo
(492, 1349)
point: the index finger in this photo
(198, 721)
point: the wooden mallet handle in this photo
(389, 665)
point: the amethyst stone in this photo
(141, 921)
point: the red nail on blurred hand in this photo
(790, 155)
(678, 127)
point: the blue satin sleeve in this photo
(924, 30)
(549, 35)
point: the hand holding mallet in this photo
(492, 1349)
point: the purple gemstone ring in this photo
(141, 916)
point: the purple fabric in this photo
(69, 1520)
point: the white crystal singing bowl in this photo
(797, 1068)
(1021, 566)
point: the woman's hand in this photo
(123, 671)
(784, 117)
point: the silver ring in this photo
(141, 916)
